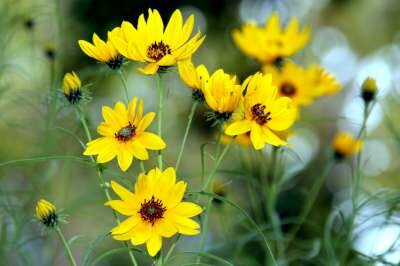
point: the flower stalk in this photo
(67, 248)
(160, 116)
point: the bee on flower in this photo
(271, 44)
(265, 113)
(155, 210)
(46, 213)
(155, 45)
(124, 135)
(72, 87)
(345, 145)
(194, 78)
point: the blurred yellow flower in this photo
(270, 43)
(123, 135)
(158, 47)
(345, 145)
(369, 89)
(265, 113)
(193, 77)
(322, 82)
(155, 210)
(292, 81)
(46, 213)
(223, 94)
(102, 51)
(72, 87)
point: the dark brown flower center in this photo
(259, 115)
(158, 50)
(152, 210)
(126, 133)
(288, 89)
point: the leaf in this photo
(48, 158)
(114, 251)
(74, 239)
(205, 255)
(93, 245)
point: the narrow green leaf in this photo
(48, 158)
(93, 245)
(112, 252)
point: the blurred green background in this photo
(351, 38)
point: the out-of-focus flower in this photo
(369, 89)
(155, 210)
(292, 81)
(264, 113)
(322, 82)
(223, 95)
(219, 189)
(193, 77)
(271, 43)
(123, 135)
(50, 51)
(72, 87)
(46, 213)
(345, 145)
(102, 51)
(158, 47)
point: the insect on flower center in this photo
(152, 210)
(288, 89)
(126, 133)
(158, 50)
(259, 115)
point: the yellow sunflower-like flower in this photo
(345, 145)
(292, 81)
(72, 87)
(193, 77)
(270, 43)
(123, 135)
(46, 213)
(158, 47)
(223, 94)
(265, 113)
(155, 210)
(102, 51)
(322, 82)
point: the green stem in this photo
(310, 202)
(172, 248)
(67, 248)
(189, 123)
(204, 228)
(102, 181)
(160, 116)
(142, 168)
(124, 83)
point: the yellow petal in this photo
(146, 121)
(187, 209)
(149, 69)
(123, 193)
(151, 141)
(126, 225)
(153, 244)
(139, 151)
(257, 136)
(141, 233)
(238, 128)
(124, 157)
(272, 138)
(165, 228)
(122, 207)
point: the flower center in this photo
(152, 210)
(126, 133)
(158, 50)
(258, 114)
(288, 89)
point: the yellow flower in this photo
(158, 47)
(123, 135)
(369, 89)
(223, 94)
(345, 145)
(194, 78)
(155, 210)
(271, 43)
(265, 113)
(72, 87)
(292, 81)
(322, 82)
(102, 51)
(242, 139)
(46, 213)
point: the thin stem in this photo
(102, 181)
(204, 228)
(67, 248)
(189, 123)
(142, 168)
(160, 116)
(124, 83)
(310, 201)
(172, 248)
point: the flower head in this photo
(292, 81)
(222, 94)
(369, 89)
(265, 113)
(155, 210)
(155, 45)
(46, 213)
(219, 189)
(102, 51)
(345, 145)
(72, 87)
(193, 77)
(322, 82)
(123, 135)
(270, 43)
